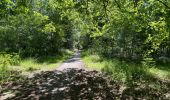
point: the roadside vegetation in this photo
(14, 66)
(136, 79)
(34, 36)
(124, 71)
(127, 39)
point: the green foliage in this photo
(121, 71)
(125, 72)
(12, 66)
(9, 59)
(8, 75)
(126, 29)
(6, 60)
(44, 63)
(137, 30)
(35, 28)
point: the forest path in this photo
(73, 62)
(71, 81)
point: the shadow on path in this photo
(70, 84)
(73, 62)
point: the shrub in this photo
(7, 60)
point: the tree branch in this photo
(105, 4)
(164, 4)
(117, 4)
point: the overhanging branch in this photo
(164, 4)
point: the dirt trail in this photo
(69, 84)
(73, 62)
(72, 82)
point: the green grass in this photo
(160, 73)
(30, 65)
(126, 72)
(135, 80)
(27, 66)
(44, 63)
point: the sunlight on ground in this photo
(94, 62)
(42, 64)
(33, 64)
(161, 74)
(123, 71)
(29, 66)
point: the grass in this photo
(160, 73)
(135, 80)
(126, 71)
(44, 63)
(30, 65)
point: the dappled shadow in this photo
(50, 59)
(140, 84)
(74, 58)
(165, 67)
(79, 84)
(69, 84)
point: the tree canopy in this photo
(130, 29)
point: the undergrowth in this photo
(135, 78)
(12, 65)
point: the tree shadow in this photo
(50, 59)
(76, 84)
(165, 67)
(70, 84)
(140, 84)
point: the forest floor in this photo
(136, 80)
(72, 80)
(69, 81)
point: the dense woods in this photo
(33, 28)
(135, 31)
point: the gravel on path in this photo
(73, 62)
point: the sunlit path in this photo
(74, 62)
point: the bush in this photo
(9, 59)
(5, 61)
